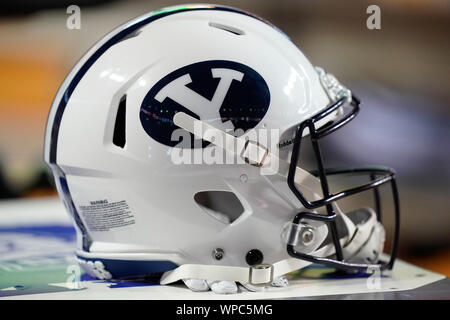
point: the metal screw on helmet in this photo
(218, 253)
(307, 236)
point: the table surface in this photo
(37, 243)
(439, 290)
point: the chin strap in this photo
(252, 152)
(260, 275)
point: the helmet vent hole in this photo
(223, 27)
(119, 126)
(221, 205)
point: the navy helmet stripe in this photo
(113, 40)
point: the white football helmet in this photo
(175, 144)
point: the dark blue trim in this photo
(67, 197)
(92, 59)
(121, 269)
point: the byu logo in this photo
(178, 91)
(226, 94)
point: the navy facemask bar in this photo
(378, 176)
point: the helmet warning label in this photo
(102, 215)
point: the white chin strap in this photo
(251, 152)
(262, 274)
(259, 156)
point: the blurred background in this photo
(400, 72)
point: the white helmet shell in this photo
(109, 142)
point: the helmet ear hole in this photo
(119, 137)
(221, 205)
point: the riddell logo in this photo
(285, 143)
(227, 95)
